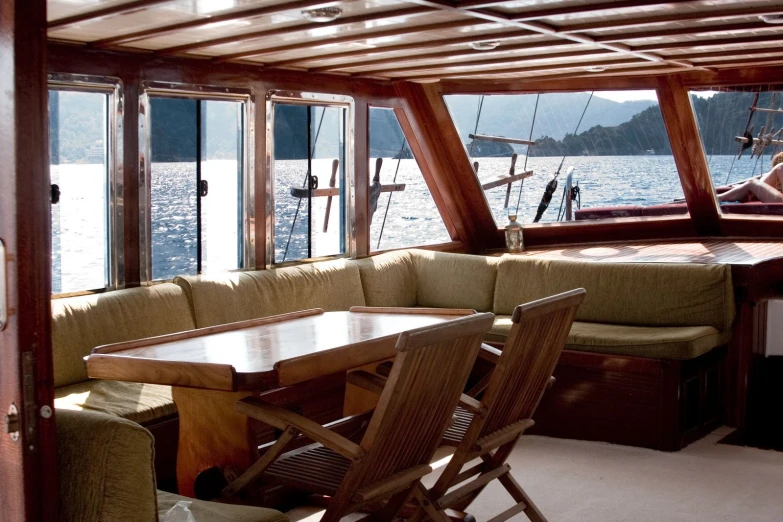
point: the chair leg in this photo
(261, 464)
(518, 494)
(421, 494)
(393, 506)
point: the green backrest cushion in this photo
(654, 294)
(389, 279)
(81, 323)
(239, 296)
(455, 280)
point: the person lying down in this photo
(767, 189)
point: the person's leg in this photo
(764, 192)
(738, 193)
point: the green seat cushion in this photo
(217, 512)
(142, 403)
(388, 279)
(448, 280)
(655, 342)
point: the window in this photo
(86, 233)
(310, 139)
(402, 210)
(198, 192)
(740, 130)
(615, 142)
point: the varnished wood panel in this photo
(711, 251)
(28, 466)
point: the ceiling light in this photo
(595, 69)
(484, 46)
(324, 14)
(772, 19)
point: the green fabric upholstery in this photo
(643, 294)
(106, 474)
(655, 342)
(105, 467)
(138, 402)
(239, 296)
(81, 323)
(455, 280)
(389, 279)
(215, 512)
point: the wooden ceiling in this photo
(429, 40)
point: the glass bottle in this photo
(514, 241)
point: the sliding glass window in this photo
(86, 224)
(197, 190)
(309, 159)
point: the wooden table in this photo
(209, 369)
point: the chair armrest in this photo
(472, 405)
(281, 418)
(489, 353)
(368, 381)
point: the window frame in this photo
(310, 99)
(199, 93)
(115, 240)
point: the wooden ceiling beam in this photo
(521, 70)
(685, 31)
(550, 10)
(398, 31)
(231, 16)
(731, 54)
(510, 60)
(508, 35)
(548, 44)
(547, 29)
(287, 30)
(106, 12)
(701, 14)
(714, 42)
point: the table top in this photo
(263, 353)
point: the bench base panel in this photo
(659, 404)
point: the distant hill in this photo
(608, 128)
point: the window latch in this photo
(203, 188)
(313, 182)
(54, 193)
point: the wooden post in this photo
(450, 167)
(362, 217)
(28, 465)
(689, 155)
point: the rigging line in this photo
(310, 154)
(388, 201)
(575, 131)
(527, 153)
(475, 129)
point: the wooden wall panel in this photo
(28, 466)
(689, 155)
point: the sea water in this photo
(80, 221)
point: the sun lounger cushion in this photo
(655, 342)
(455, 280)
(138, 402)
(239, 296)
(81, 323)
(642, 294)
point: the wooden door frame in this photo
(28, 465)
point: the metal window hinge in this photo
(30, 408)
(3, 306)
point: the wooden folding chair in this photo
(490, 429)
(414, 410)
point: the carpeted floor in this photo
(589, 482)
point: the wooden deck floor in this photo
(722, 251)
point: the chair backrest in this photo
(537, 338)
(426, 381)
